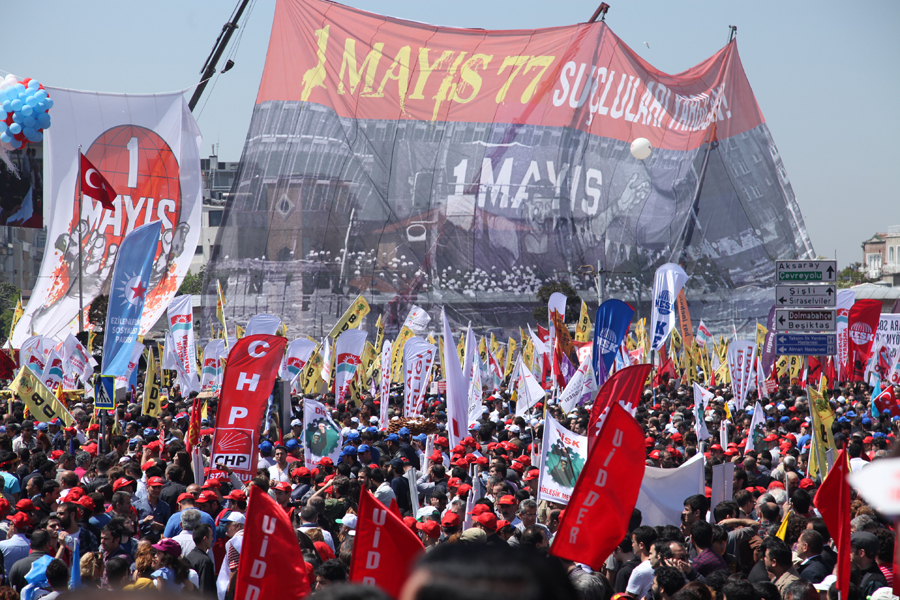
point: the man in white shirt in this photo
(280, 471)
(640, 583)
(190, 518)
(854, 450)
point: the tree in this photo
(193, 284)
(573, 301)
(97, 318)
(852, 274)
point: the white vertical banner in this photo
(701, 401)
(667, 284)
(418, 357)
(457, 397)
(148, 147)
(476, 389)
(575, 388)
(740, 363)
(563, 454)
(843, 304)
(757, 430)
(348, 349)
(181, 328)
(295, 358)
(80, 362)
(209, 372)
(385, 388)
(417, 319)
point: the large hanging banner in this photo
(148, 148)
(427, 166)
(563, 454)
(321, 436)
(248, 381)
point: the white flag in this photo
(457, 397)
(417, 319)
(529, 390)
(321, 437)
(575, 388)
(740, 364)
(181, 326)
(667, 284)
(418, 357)
(701, 401)
(757, 430)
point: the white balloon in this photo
(641, 148)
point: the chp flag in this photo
(246, 385)
(348, 349)
(127, 294)
(667, 284)
(563, 455)
(596, 518)
(321, 436)
(862, 324)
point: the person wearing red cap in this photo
(153, 512)
(487, 522)
(16, 545)
(507, 506)
(429, 532)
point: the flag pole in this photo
(80, 248)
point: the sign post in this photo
(807, 290)
(105, 392)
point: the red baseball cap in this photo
(507, 501)
(24, 504)
(156, 481)
(807, 484)
(479, 509)
(20, 520)
(120, 483)
(451, 519)
(282, 486)
(441, 441)
(185, 496)
(463, 489)
(326, 462)
(211, 483)
(487, 520)
(206, 496)
(771, 438)
(236, 495)
(300, 472)
(532, 474)
(454, 482)
(431, 529)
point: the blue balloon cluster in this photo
(26, 105)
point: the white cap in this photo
(349, 520)
(234, 517)
(514, 429)
(373, 420)
(425, 511)
(296, 423)
(823, 585)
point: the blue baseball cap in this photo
(372, 429)
(867, 421)
(404, 432)
(150, 432)
(393, 438)
(42, 427)
(348, 451)
(292, 444)
(850, 414)
(265, 447)
(204, 422)
(353, 435)
(421, 438)
(363, 448)
(785, 419)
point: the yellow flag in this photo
(379, 334)
(796, 363)
(528, 354)
(822, 413)
(151, 403)
(460, 349)
(311, 375)
(482, 351)
(728, 412)
(676, 341)
(584, 328)
(366, 359)
(238, 331)
(761, 333)
(91, 336)
(495, 345)
(220, 310)
(510, 351)
(397, 353)
(522, 336)
(351, 319)
(59, 392)
(17, 314)
(39, 400)
(782, 530)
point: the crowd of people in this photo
(125, 513)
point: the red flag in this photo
(625, 386)
(813, 372)
(862, 323)
(8, 366)
(833, 502)
(886, 401)
(385, 549)
(95, 185)
(271, 564)
(246, 385)
(667, 366)
(830, 372)
(607, 489)
(395, 508)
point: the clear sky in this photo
(826, 74)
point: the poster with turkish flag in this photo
(271, 561)
(624, 386)
(833, 502)
(95, 185)
(385, 549)
(246, 385)
(863, 322)
(596, 519)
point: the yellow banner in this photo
(510, 351)
(528, 354)
(151, 404)
(583, 329)
(351, 319)
(761, 332)
(482, 351)
(796, 365)
(684, 318)
(238, 331)
(367, 358)
(495, 345)
(311, 375)
(379, 334)
(17, 314)
(397, 353)
(39, 400)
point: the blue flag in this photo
(130, 283)
(876, 391)
(610, 326)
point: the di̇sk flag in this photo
(128, 291)
(385, 549)
(246, 385)
(271, 563)
(611, 324)
(95, 185)
(607, 489)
